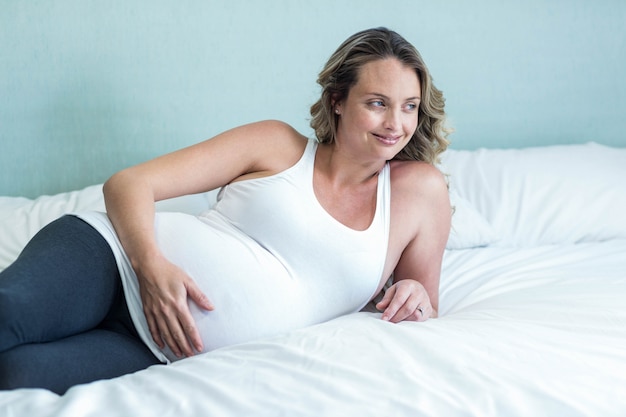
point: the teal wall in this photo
(89, 87)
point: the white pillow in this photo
(469, 228)
(544, 195)
(21, 218)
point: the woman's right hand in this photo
(165, 289)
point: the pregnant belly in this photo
(253, 294)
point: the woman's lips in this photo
(388, 140)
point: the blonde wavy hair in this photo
(341, 72)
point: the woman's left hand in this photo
(407, 299)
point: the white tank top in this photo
(268, 256)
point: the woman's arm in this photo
(256, 149)
(424, 209)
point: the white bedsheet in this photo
(523, 332)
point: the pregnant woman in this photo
(304, 230)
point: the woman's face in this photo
(379, 115)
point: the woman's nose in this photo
(392, 120)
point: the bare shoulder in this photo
(275, 128)
(265, 147)
(419, 196)
(415, 179)
(275, 139)
(420, 204)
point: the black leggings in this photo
(63, 315)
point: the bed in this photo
(532, 312)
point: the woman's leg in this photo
(63, 283)
(63, 315)
(112, 349)
(86, 357)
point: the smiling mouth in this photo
(388, 140)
